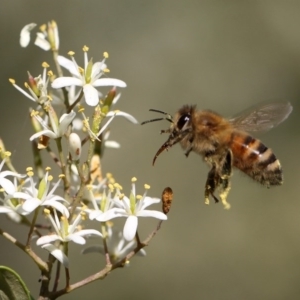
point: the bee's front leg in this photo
(189, 150)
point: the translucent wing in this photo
(262, 117)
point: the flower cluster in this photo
(81, 196)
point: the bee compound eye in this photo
(183, 120)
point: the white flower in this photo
(37, 86)
(113, 114)
(64, 232)
(13, 208)
(42, 196)
(47, 39)
(25, 34)
(5, 183)
(106, 203)
(58, 129)
(132, 208)
(87, 78)
(117, 245)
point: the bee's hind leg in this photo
(225, 179)
(211, 184)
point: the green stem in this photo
(70, 108)
(36, 212)
(103, 273)
(38, 261)
(104, 234)
(63, 164)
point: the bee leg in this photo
(190, 148)
(165, 131)
(211, 184)
(188, 151)
(225, 179)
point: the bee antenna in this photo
(168, 118)
(152, 120)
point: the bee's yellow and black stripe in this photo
(255, 159)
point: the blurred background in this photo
(221, 55)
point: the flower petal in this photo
(46, 239)
(65, 81)
(69, 65)
(64, 121)
(112, 144)
(4, 209)
(41, 41)
(109, 82)
(58, 254)
(149, 201)
(95, 214)
(152, 213)
(130, 228)
(97, 68)
(84, 232)
(111, 214)
(25, 34)
(7, 185)
(125, 115)
(76, 239)
(58, 206)
(91, 95)
(46, 132)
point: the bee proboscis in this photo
(224, 143)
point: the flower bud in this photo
(74, 146)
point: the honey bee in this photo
(166, 199)
(225, 143)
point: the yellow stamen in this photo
(89, 187)
(80, 70)
(46, 211)
(7, 153)
(30, 173)
(43, 27)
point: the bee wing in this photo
(262, 117)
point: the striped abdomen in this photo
(255, 159)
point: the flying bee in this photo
(225, 143)
(166, 199)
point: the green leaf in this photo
(12, 286)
